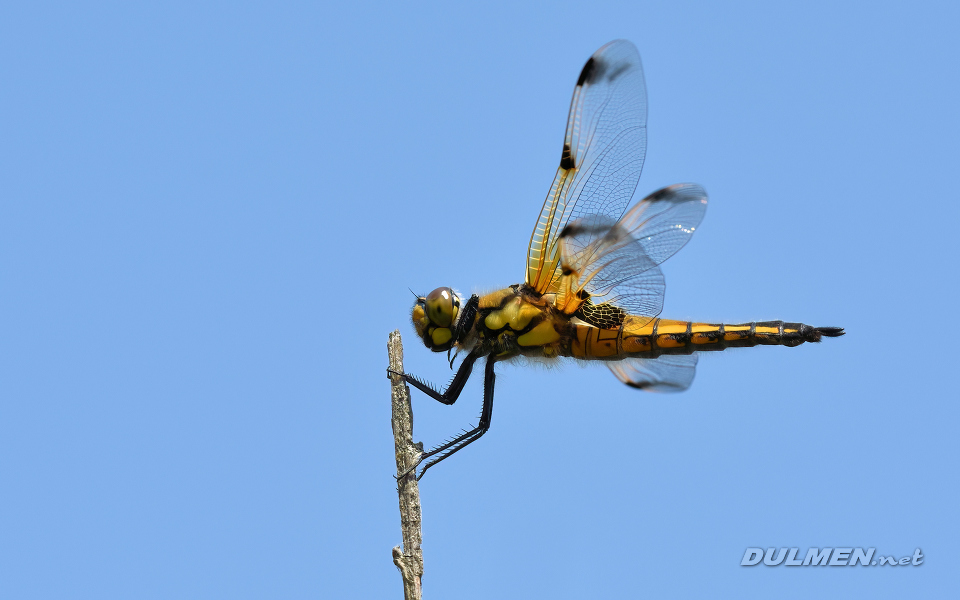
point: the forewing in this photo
(670, 373)
(603, 151)
(618, 262)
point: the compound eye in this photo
(442, 306)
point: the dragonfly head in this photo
(434, 317)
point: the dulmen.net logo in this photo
(832, 557)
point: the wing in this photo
(663, 374)
(603, 151)
(613, 267)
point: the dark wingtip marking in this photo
(586, 75)
(660, 194)
(831, 331)
(621, 69)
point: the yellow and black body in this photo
(517, 321)
(593, 289)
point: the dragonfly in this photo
(593, 288)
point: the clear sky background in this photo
(210, 215)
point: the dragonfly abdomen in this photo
(651, 338)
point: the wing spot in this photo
(619, 71)
(588, 72)
(567, 161)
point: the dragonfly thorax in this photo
(434, 317)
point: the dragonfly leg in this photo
(467, 316)
(449, 395)
(462, 441)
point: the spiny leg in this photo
(462, 441)
(467, 316)
(449, 395)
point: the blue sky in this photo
(212, 214)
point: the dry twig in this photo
(409, 559)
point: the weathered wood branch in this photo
(409, 559)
